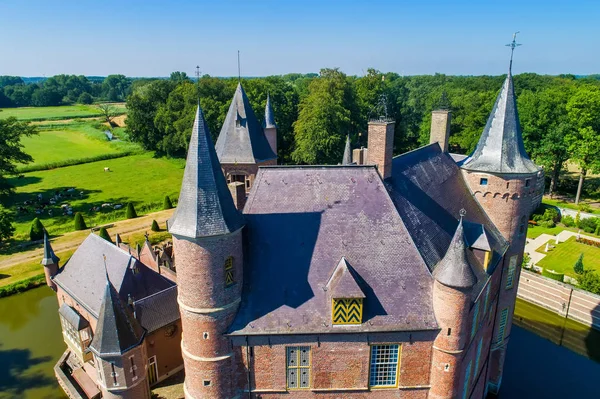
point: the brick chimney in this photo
(381, 145)
(238, 192)
(440, 128)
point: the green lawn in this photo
(140, 179)
(536, 231)
(562, 258)
(54, 113)
(568, 205)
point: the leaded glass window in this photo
(229, 277)
(384, 365)
(298, 367)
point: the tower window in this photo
(206, 383)
(510, 276)
(502, 326)
(229, 277)
(298, 367)
(483, 181)
(449, 331)
(238, 123)
(133, 369)
(522, 225)
(347, 311)
(475, 319)
(384, 366)
(114, 374)
(527, 182)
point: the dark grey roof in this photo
(83, 276)
(158, 310)
(72, 317)
(117, 331)
(300, 222)
(500, 148)
(342, 283)
(458, 157)
(205, 206)
(454, 269)
(49, 257)
(476, 236)
(246, 143)
(347, 159)
(269, 115)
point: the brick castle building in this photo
(388, 277)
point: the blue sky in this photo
(154, 38)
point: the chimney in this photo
(238, 192)
(359, 156)
(440, 128)
(381, 145)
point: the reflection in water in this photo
(30, 344)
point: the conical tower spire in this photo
(454, 269)
(269, 115)
(49, 257)
(347, 159)
(205, 206)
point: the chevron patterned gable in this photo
(347, 311)
(229, 278)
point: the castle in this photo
(382, 277)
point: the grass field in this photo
(141, 179)
(54, 113)
(536, 231)
(563, 256)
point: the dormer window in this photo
(238, 123)
(347, 311)
(346, 295)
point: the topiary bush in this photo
(104, 234)
(36, 232)
(167, 204)
(131, 214)
(553, 275)
(155, 226)
(578, 268)
(588, 225)
(79, 222)
(568, 221)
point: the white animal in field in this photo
(107, 169)
(106, 205)
(118, 206)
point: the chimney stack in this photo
(381, 145)
(238, 193)
(440, 128)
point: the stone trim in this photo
(208, 310)
(204, 359)
(447, 351)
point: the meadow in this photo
(563, 256)
(55, 113)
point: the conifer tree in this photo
(155, 226)
(79, 222)
(104, 234)
(131, 214)
(36, 232)
(579, 265)
(167, 204)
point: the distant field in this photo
(140, 179)
(562, 258)
(54, 113)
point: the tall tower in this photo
(119, 352)
(207, 240)
(50, 262)
(454, 279)
(269, 126)
(504, 180)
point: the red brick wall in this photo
(381, 146)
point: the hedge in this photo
(75, 161)
(23, 285)
(553, 275)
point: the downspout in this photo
(248, 370)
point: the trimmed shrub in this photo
(104, 234)
(155, 226)
(131, 214)
(590, 281)
(526, 259)
(79, 222)
(597, 231)
(36, 232)
(553, 275)
(167, 204)
(578, 268)
(588, 225)
(547, 223)
(578, 219)
(568, 221)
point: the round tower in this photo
(269, 126)
(207, 242)
(505, 183)
(50, 262)
(454, 279)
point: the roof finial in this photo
(239, 70)
(512, 46)
(462, 213)
(198, 81)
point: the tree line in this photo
(560, 115)
(62, 90)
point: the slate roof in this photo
(205, 206)
(157, 310)
(72, 317)
(50, 257)
(342, 283)
(269, 115)
(117, 331)
(500, 148)
(84, 278)
(347, 159)
(300, 222)
(246, 143)
(454, 270)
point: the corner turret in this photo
(50, 262)
(269, 125)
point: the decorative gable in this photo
(346, 295)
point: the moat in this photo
(31, 343)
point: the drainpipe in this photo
(248, 372)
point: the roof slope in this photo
(246, 143)
(429, 191)
(300, 222)
(84, 277)
(500, 148)
(117, 330)
(158, 310)
(342, 283)
(269, 115)
(50, 257)
(454, 269)
(205, 206)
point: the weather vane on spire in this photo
(512, 46)
(239, 70)
(198, 80)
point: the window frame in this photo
(346, 305)
(483, 181)
(228, 271)
(298, 367)
(502, 325)
(373, 365)
(510, 275)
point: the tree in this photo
(6, 227)
(578, 268)
(45, 97)
(584, 144)
(36, 231)
(11, 149)
(155, 226)
(116, 87)
(108, 112)
(553, 152)
(79, 222)
(6, 80)
(85, 98)
(578, 219)
(131, 214)
(104, 234)
(167, 204)
(179, 77)
(590, 281)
